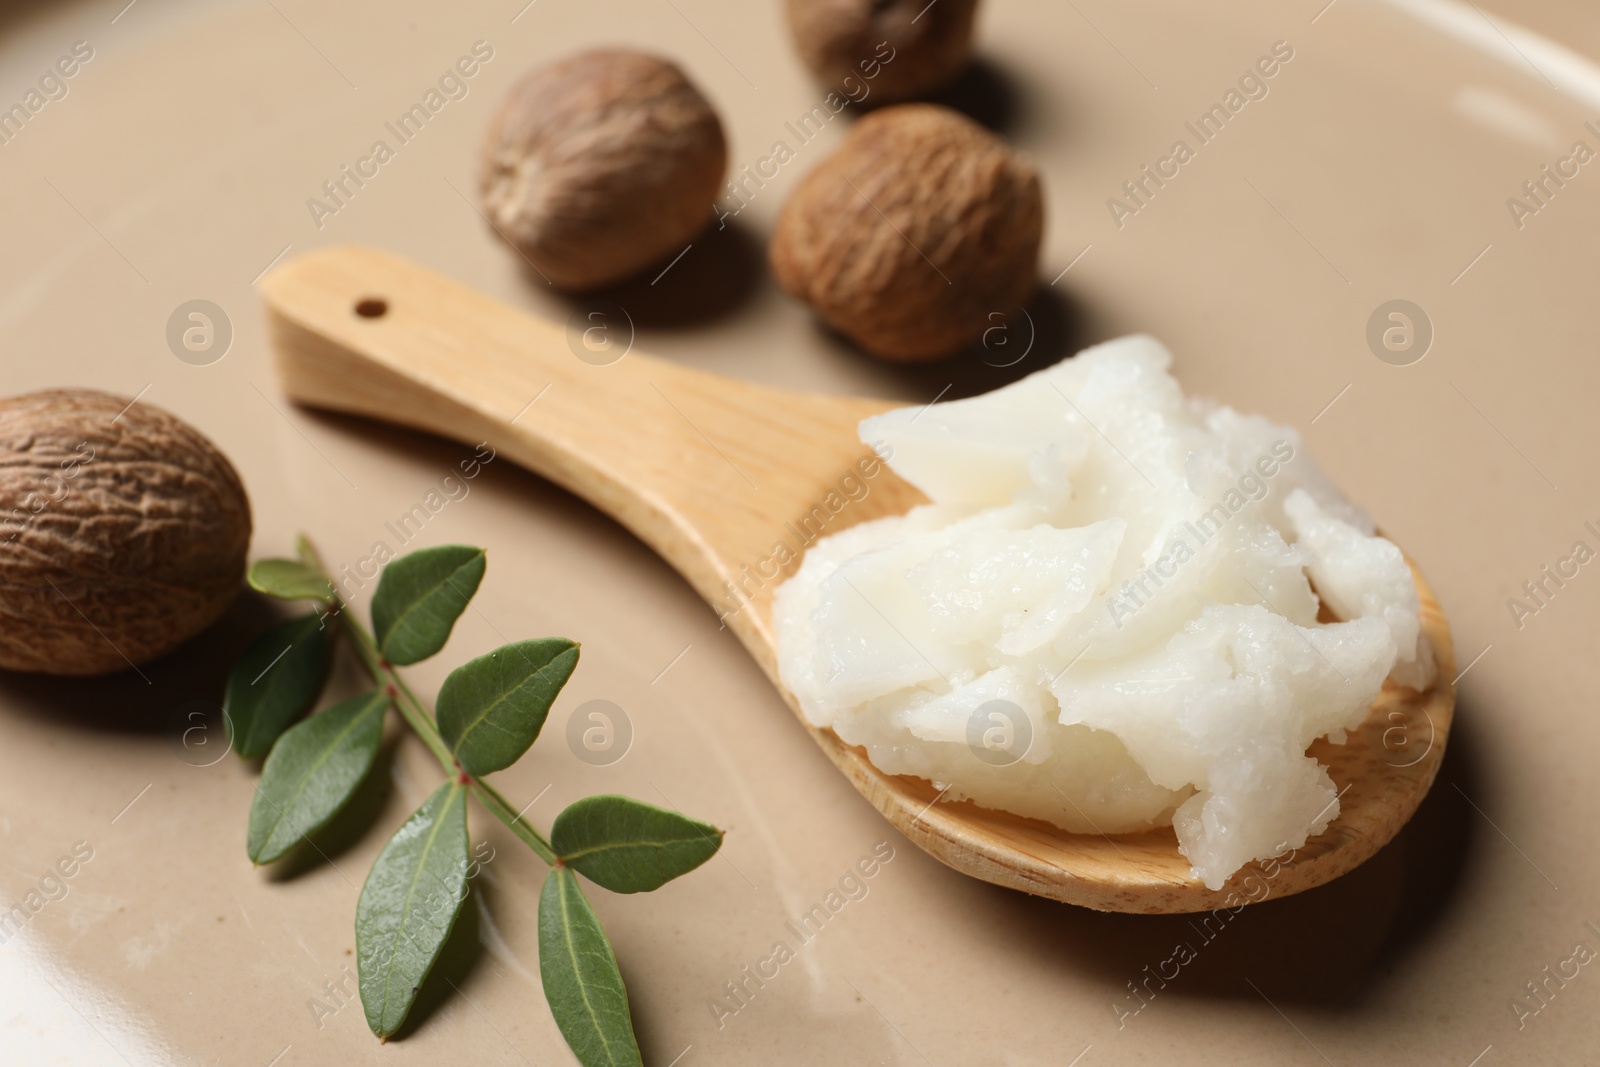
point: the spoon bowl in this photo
(713, 473)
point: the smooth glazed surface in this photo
(1377, 168)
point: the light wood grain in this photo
(710, 472)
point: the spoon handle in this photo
(704, 469)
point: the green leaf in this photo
(491, 709)
(311, 773)
(420, 597)
(629, 846)
(409, 904)
(275, 681)
(289, 579)
(581, 979)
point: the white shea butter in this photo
(1106, 618)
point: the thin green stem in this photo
(503, 811)
(405, 700)
(421, 721)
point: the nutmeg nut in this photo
(600, 164)
(123, 532)
(905, 48)
(919, 233)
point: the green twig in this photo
(421, 721)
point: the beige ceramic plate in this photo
(1377, 167)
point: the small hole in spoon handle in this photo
(372, 307)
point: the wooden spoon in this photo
(710, 472)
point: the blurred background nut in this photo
(601, 164)
(929, 43)
(908, 239)
(123, 532)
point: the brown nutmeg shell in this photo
(601, 164)
(123, 532)
(919, 233)
(898, 49)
